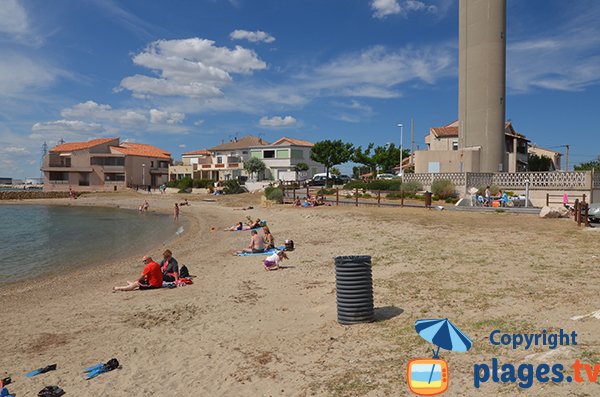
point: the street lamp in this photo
(401, 173)
(144, 174)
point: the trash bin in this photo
(354, 289)
(428, 199)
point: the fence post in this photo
(307, 191)
(283, 193)
(576, 205)
(337, 196)
(378, 198)
(294, 190)
(356, 196)
(402, 199)
(585, 214)
(547, 199)
(583, 201)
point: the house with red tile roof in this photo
(443, 149)
(104, 164)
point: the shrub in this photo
(494, 190)
(419, 197)
(348, 195)
(325, 192)
(202, 183)
(435, 197)
(451, 200)
(393, 196)
(411, 188)
(366, 195)
(233, 187)
(443, 188)
(172, 183)
(355, 184)
(185, 183)
(183, 190)
(274, 194)
(382, 184)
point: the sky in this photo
(188, 75)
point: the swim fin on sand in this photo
(93, 371)
(41, 371)
(51, 391)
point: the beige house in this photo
(104, 164)
(189, 165)
(443, 153)
(282, 156)
(551, 154)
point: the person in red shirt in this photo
(152, 277)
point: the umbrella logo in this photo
(429, 376)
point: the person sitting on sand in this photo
(272, 262)
(268, 237)
(297, 202)
(257, 244)
(152, 277)
(237, 227)
(254, 224)
(169, 267)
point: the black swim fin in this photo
(41, 371)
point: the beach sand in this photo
(242, 331)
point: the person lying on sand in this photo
(152, 277)
(254, 224)
(244, 208)
(238, 226)
(257, 244)
(185, 202)
(272, 262)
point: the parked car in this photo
(594, 212)
(345, 179)
(321, 180)
(387, 176)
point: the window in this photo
(244, 152)
(114, 161)
(151, 164)
(454, 145)
(269, 154)
(219, 160)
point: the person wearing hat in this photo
(152, 277)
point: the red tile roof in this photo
(451, 130)
(73, 146)
(201, 152)
(292, 141)
(141, 149)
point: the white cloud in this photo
(377, 71)
(13, 18)
(198, 123)
(13, 150)
(383, 8)
(565, 59)
(19, 75)
(277, 121)
(71, 130)
(91, 110)
(183, 145)
(254, 37)
(190, 68)
(159, 117)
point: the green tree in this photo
(358, 171)
(299, 168)
(539, 163)
(254, 165)
(589, 166)
(331, 153)
(366, 158)
(336, 171)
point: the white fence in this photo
(585, 180)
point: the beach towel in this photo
(244, 230)
(267, 252)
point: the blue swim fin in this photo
(41, 371)
(93, 368)
(101, 368)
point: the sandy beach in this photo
(242, 331)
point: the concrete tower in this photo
(482, 80)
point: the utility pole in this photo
(412, 141)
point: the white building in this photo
(282, 156)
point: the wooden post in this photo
(378, 198)
(576, 205)
(579, 208)
(307, 191)
(337, 196)
(283, 192)
(583, 201)
(294, 190)
(586, 208)
(401, 199)
(356, 196)
(547, 199)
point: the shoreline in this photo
(80, 270)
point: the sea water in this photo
(37, 239)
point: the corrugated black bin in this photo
(354, 289)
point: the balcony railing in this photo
(58, 182)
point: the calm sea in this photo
(36, 239)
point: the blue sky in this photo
(185, 75)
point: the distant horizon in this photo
(182, 77)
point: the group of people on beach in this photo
(309, 201)
(154, 274)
